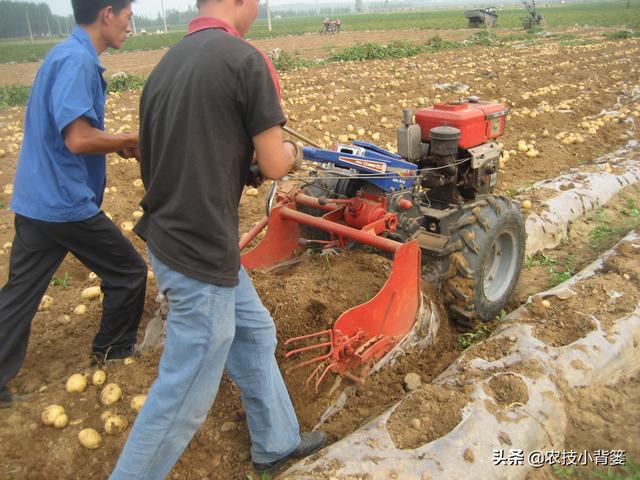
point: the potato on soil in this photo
(61, 421)
(110, 394)
(99, 377)
(137, 402)
(89, 438)
(76, 383)
(116, 424)
(50, 413)
(104, 416)
(90, 293)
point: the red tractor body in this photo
(478, 122)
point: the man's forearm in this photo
(97, 142)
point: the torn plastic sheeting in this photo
(538, 424)
(576, 193)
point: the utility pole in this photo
(29, 24)
(133, 24)
(268, 16)
(48, 26)
(66, 25)
(164, 16)
(59, 26)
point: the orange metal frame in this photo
(364, 333)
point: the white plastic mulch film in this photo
(532, 367)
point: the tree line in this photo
(21, 19)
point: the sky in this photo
(145, 7)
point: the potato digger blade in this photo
(365, 333)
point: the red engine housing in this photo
(478, 122)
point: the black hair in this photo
(86, 12)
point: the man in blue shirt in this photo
(58, 190)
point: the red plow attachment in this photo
(362, 334)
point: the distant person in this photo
(58, 190)
(338, 25)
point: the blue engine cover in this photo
(388, 171)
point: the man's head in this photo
(110, 17)
(238, 13)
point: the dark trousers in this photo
(38, 250)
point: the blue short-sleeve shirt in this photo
(52, 184)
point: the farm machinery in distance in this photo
(431, 203)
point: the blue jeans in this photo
(209, 327)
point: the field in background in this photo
(606, 14)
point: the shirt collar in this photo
(83, 37)
(204, 23)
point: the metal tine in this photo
(324, 374)
(308, 362)
(306, 349)
(314, 372)
(311, 335)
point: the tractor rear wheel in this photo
(488, 245)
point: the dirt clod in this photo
(412, 381)
(509, 389)
(439, 409)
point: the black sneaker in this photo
(310, 442)
(6, 399)
(100, 358)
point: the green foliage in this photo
(64, 282)
(286, 62)
(14, 96)
(124, 83)
(621, 35)
(436, 44)
(630, 471)
(374, 51)
(607, 231)
(535, 29)
(557, 277)
(539, 259)
(483, 38)
(631, 209)
(470, 338)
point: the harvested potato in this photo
(126, 226)
(92, 276)
(137, 402)
(129, 361)
(89, 438)
(45, 303)
(150, 275)
(115, 424)
(99, 377)
(76, 383)
(90, 293)
(80, 309)
(110, 394)
(526, 204)
(61, 421)
(107, 414)
(50, 413)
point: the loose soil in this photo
(359, 99)
(429, 413)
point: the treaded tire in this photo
(488, 245)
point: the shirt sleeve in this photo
(258, 97)
(72, 95)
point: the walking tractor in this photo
(431, 204)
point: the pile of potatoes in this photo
(114, 423)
